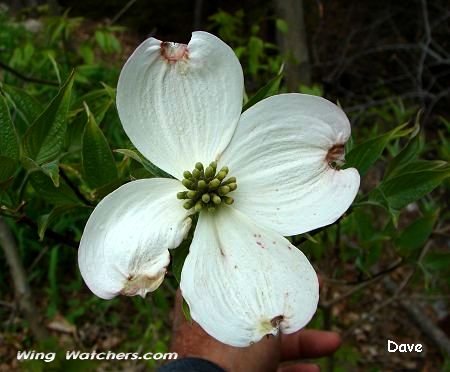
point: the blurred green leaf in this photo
(314, 90)
(255, 49)
(97, 159)
(365, 154)
(281, 25)
(101, 40)
(267, 90)
(416, 180)
(437, 261)
(44, 140)
(417, 233)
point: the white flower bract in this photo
(179, 105)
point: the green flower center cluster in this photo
(207, 188)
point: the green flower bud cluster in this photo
(207, 188)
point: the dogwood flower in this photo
(252, 178)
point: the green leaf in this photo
(7, 167)
(409, 152)
(101, 192)
(153, 169)
(417, 233)
(97, 159)
(44, 140)
(186, 311)
(27, 106)
(178, 257)
(421, 165)
(267, 90)
(404, 157)
(363, 225)
(416, 180)
(50, 169)
(9, 143)
(45, 188)
(310, 238)
(48, 219)
(99, 102)
(367, 153)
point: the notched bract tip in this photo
(336, 155)
(271, 327)
(142, 284)
(173, 52)
(277, 320)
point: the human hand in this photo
(281, 354)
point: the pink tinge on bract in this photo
(173, 52)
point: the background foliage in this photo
(62, 149)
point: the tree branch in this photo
(30, 79)
(21, 287)
(422, 321)
(57, 237)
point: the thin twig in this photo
(57, 237)
(122, 11)
(426, 45)
(30, 79)
(361, 285)
(38, 258)
(7, 304)
(198, 10)
(423, 322)
(396, 294)
(74, 188)
(391, 268)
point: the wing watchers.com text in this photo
(93, 355)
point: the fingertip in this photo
(309, 343)
(299, 367)
(334, 340)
